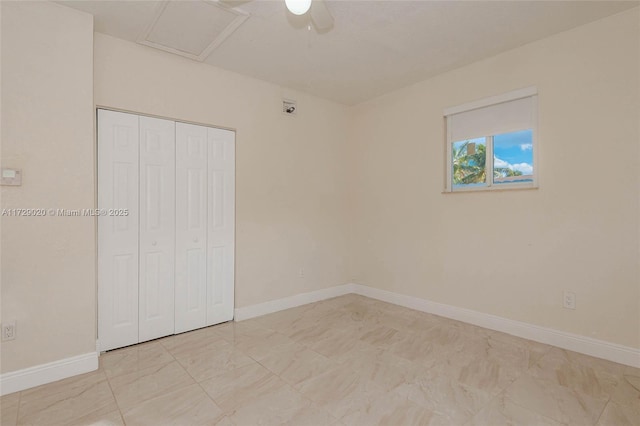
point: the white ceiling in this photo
(374, 46)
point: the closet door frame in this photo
(215, 312)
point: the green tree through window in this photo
(469, 164)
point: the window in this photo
(491, 143)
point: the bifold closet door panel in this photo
(191, 227)
(157, 228)
(221, 227)
(117, 235)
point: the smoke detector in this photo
(289, 107)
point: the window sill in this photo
(492, 189)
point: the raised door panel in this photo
(157, 228)
(191, 227)
(221, 226)
(118, 171)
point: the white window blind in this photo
(494, 119)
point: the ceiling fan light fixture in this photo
(298, 7)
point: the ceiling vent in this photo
(191, 28)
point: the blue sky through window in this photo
(514, 150)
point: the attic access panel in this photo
(192, 29)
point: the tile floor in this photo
(344, 361)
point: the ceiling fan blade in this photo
(320, 15)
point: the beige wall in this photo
(290, 171)
(347, 194)
(48, 263)
(512, 254)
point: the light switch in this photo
(11, 177)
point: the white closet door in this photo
(191, 227)
(157, 228)
(221, 232)
(117, 235)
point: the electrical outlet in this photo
(569, 300)
(301, 273)
(8, 330)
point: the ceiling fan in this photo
(318, 11)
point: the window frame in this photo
(528, 92)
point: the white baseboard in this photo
(46, 373)
(271, 306)
(562, 339)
